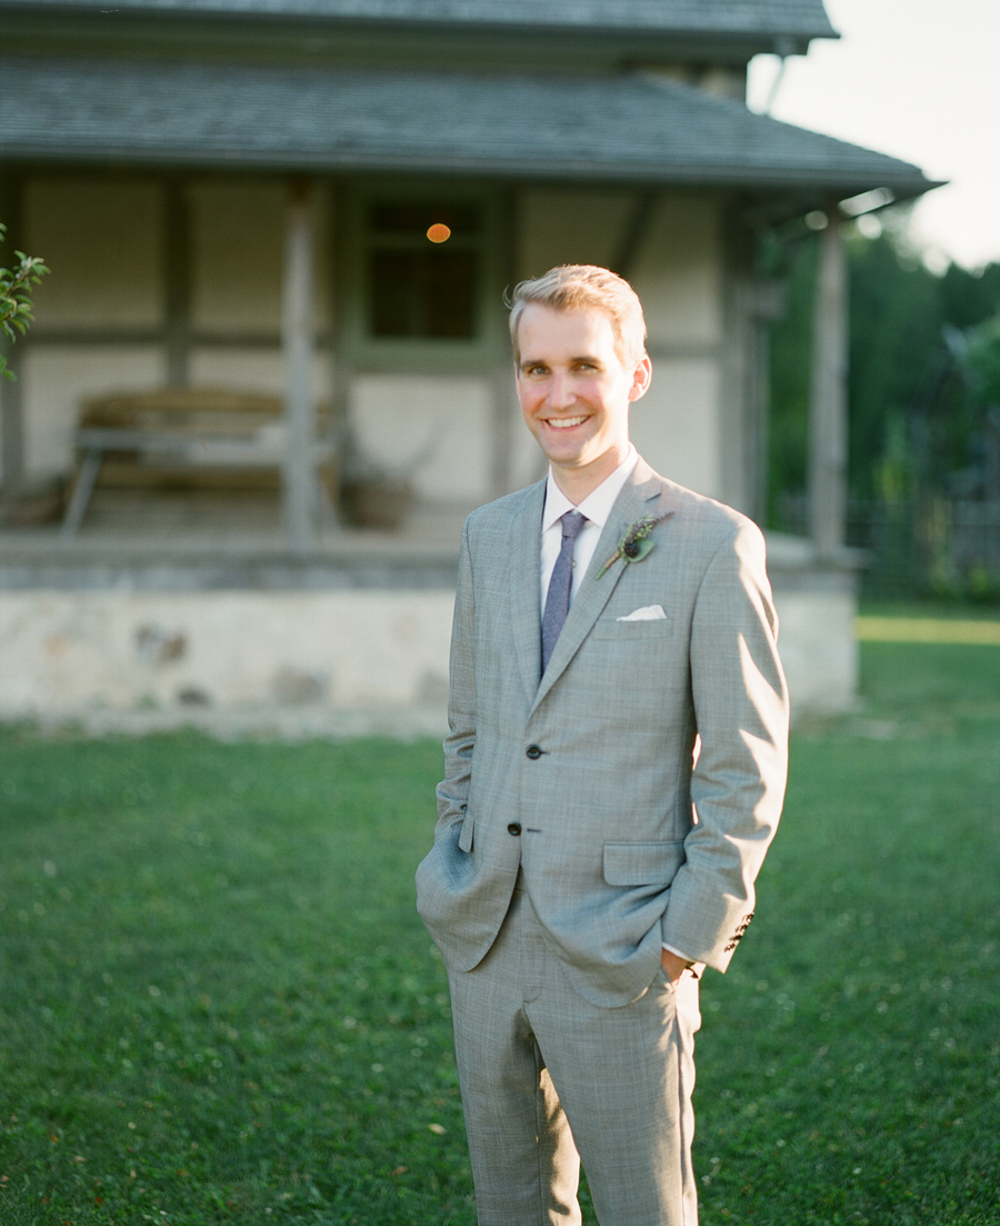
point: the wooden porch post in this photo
(768, 307)
(177, 281)
(737, 459)
(11, 391)
(503, 403)
(297, 336)
(341, 368)
(828, 395)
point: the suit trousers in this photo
(549, 1079)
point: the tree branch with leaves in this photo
(15, 297)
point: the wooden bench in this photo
(186, 438)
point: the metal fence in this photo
(924, 546)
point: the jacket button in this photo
(514, 828)
(534, 752)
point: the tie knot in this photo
(572, 522)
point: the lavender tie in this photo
(560, 585)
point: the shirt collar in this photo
(598, 503)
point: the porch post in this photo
(503, 404)
(768, 307)
(11, 391)
(297, 336)
(737, 458)
(828, 395)
(341, 363)
(177, 281)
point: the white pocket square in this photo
(649, 613)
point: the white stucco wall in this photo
(678, 273)
(237, 238)
(246, 369)
(105, 243)
(569, 226)
(102, 239)
(436, 428)
(678, 277)
(676, 424)
(528, 464)
(57, 377)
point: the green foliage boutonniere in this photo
(635, 544)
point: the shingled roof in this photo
(798, 18)
(625, 128)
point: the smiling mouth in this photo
(565, 423)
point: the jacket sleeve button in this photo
(533, 752)
(514, 828)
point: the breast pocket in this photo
(610, 629)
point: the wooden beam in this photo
(299, 490)
(635, 233)
(768, 307)
(11, 390)
(828, 395)
(737, 456)
(342, 363)
(503, 401)
(177, 282)
(83, 335)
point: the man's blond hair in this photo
(577, 287)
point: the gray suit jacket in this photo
(640, 780)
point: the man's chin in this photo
(569, 446)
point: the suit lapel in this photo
(632, 503)
(524, 585)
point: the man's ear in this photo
(641, 378)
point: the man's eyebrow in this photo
(583, 357)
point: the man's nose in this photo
(561, 391)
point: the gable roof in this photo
(799, 18)
(628, 128)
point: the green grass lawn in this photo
(217, 1004)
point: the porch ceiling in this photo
(626, 128)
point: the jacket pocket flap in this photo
(465, 834)
(642, 863)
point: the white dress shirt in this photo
(596, 507)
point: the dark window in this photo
(423, 270)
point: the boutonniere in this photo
(635, 544)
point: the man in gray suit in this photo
(613, 777)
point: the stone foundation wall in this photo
(818, 649)
(64, 654)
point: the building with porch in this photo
(316, 206)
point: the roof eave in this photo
(772, 179)
(751, 40)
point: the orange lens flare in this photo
(439, 233)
